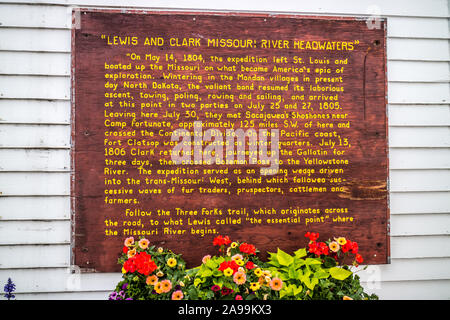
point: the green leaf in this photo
(283, 258)
(339, 273)
(300, 253)
(310, 261)
(321, 274)
(310, 282)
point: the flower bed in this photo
(319, 271)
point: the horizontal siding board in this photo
(419, 137)
(419, 8)
(411, 71)
(34, 256)
(418, 49)
(34, 111)
(420, 247)
(36, 87)
(60, 280)
(69, 295)
(416, 158)
(408, 270)
(418, 27)
(29, 39)
(34, 232)
(35, 16)
(419, 202)
(35, 208)
(34, 63)
(419, 115)
(420, 224)
(411, 290)
(34, 136)
(34, 160)
(419, 180)
(412, 93)
(34, 184)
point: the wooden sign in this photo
(259, 127)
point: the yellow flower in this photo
(254, 286)
(257, 272)
(143, 243)
(234, 245)
(123, 270)
(129, 241)
(131, 253)
(346, 298)
(151, 280)
(159, 273)
(172, 262)
(228, 272)
(334, 246)
(160, 250)
(239, 262)
(158, 288)
(341, 240)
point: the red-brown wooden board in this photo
(279, 58)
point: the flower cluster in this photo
(9, 288)
(238, 274)
(340, 247)
(155, 273)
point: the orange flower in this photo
(239, 278)
(346, 298)
(143, 243)
(129, 241)
(177, 295)
(276, 284)
(151, 280)
(166, 286)
(131, 253)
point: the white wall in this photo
(35, 142)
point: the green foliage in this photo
(237, 273)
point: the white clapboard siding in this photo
(34, 183)
(408, 269)
(420, 224)
(417, 158)
(60, 280)
(418, 49)
(28, 39)
(419, 115)
(35, 208)
(411, 290)
(420, 137)
(34, 232)
(34, 160)
(41, 16)
(34, 256)
(66, 295)
(420, 247)
(408, 27)
(419, 180)
(34, 136)
(415, 8)
(34, 63)
(411, 93)
(419, 202)
(37, 87)
(418, 71)
(34, 111)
